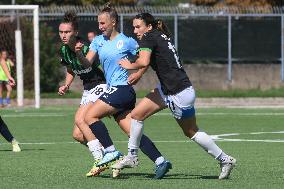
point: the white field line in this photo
(157, 114)
(214, 137)
(227, 113)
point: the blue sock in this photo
(1, 100)
(5, 131)
(8, 100)
(149, 148)
(100, 131)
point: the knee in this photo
(190, 130)
(78, 137)
(137, 116)
(79, 121)
(89, 119)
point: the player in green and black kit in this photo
(93, 82)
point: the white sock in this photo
(95, 148)
(206, 142)
(136, 132)
(222, 157)
(159, 160)
(110, 149)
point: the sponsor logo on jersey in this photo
(78, 72)
(119, 44)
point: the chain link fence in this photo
(201, 34)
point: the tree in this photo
(50, 68)
(243, 3)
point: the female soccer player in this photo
(3, 127)
(120, 97)
(4, 79)
(175, 91)
(92, 78)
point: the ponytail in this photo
(108, 8)
(161, 26)
(156, 24)
(71, 17)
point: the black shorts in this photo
(122, 97)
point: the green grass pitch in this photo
(51, 159)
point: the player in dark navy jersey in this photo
(174, 91)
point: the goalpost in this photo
(19, 53)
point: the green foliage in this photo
(50, 69)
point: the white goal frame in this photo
(19, 54)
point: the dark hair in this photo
(108, 8)
(94, 32)
(157, 24)
(163, 27)
(71, 17)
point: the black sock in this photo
(5, 131)
(149, 148)
(100, 131)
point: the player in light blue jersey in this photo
(111, 51)
(120, 97)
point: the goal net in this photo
(19, 36)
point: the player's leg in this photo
(8, 136)
(88, 99)
(149, 105)
(97, 111)
(182, 107)
(1, 94)
(191, 130)
(8, 95)
(146, 146)
(78, 135)
(84, 134)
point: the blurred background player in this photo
(175, 91)
(4, 81)
(3, 127)
(91, 35)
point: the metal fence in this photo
(201, 34)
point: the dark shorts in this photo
(121, 97)
(4, 82)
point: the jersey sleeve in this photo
(147, 43)
(132, 46)
(85, 50)
(94, 46)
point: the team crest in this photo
(119, 44)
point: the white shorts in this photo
(93, 94)
(181, 104)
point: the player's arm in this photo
(68, 81)
(136, 76)
(142, 61)
(12, 63)
(6, 71)
(87, 60)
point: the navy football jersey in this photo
(165, 61)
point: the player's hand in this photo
(63, 89)
(125, 63)
(78, 46)
(12, 82)
(134, 78)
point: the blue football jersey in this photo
(110, 52)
